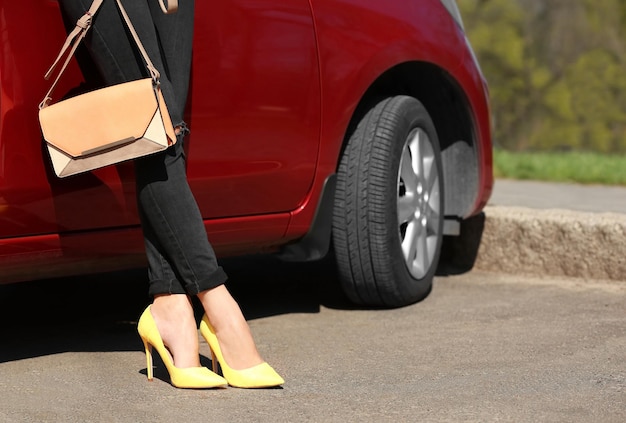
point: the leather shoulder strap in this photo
(153, 72)
(80, 30)
(172, 6)
(71, 42)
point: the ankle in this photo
(220, 307)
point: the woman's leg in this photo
(231, 328)
(179, 252)
(117, 59)
(222, 310)
(180, 257)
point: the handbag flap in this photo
(97, 119)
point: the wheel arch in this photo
(450, 111)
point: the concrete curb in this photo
(552, 242)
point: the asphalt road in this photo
(482, 347)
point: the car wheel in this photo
(388, 215)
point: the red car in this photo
(364, 124)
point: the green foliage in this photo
(556, 71)
(579, 167)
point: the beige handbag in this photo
(108, 125)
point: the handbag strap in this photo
(172, 6)
(80, 31)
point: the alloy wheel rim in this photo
(418, 203)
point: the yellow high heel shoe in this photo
(190, 377)
(259, 376)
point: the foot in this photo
(231, 328)
(173, 315)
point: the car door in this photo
(254, 113)
(255, 106)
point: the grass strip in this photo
(577, 167)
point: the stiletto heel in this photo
(213, 360)
(259, 376)
(191, 377)
(149, 368)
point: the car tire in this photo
(388, 214)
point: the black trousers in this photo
(180, 257)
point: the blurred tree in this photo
(556, 71)
(496, 30)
